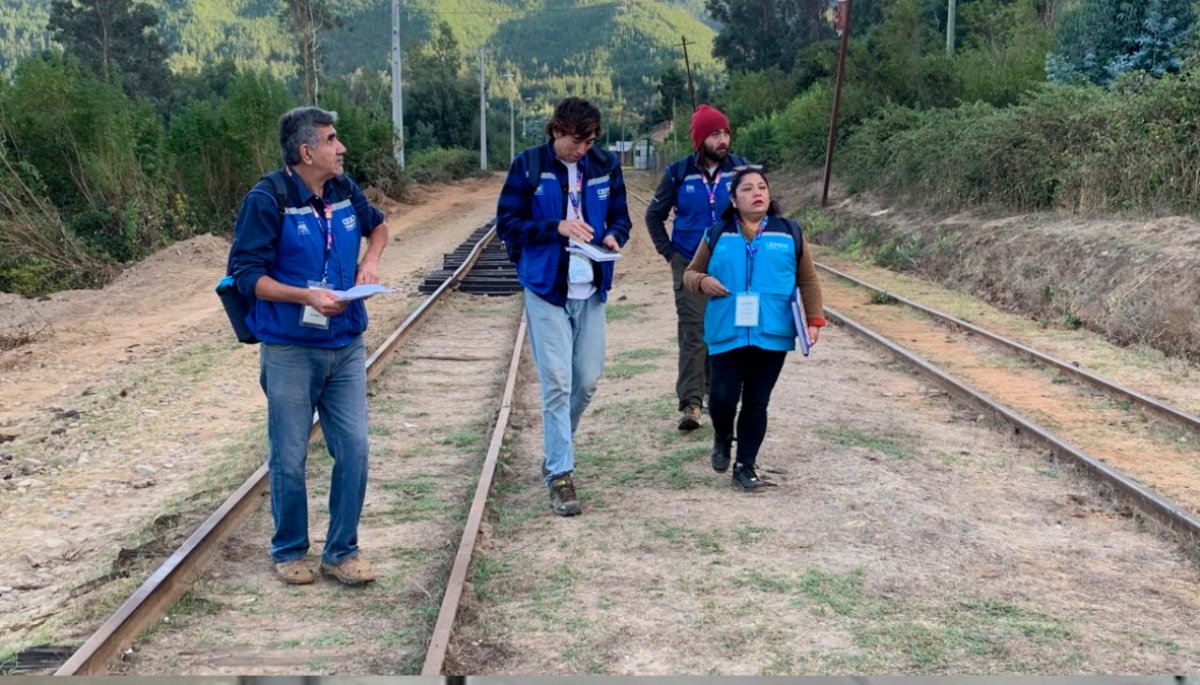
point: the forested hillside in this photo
(601, 47)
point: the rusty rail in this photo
(150, 602)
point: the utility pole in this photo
(687, 63)
(482, 112)
(844, 7)
(512, 121)
(950, 28)
(397, 89)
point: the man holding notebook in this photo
(563, 216)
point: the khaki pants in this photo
(692, 381)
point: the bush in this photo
(440, 165)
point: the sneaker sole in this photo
(689, 424)
(569, 511)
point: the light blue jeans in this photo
(298, 380)
(568, 349)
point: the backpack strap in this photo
(278, 190)
(533, 173)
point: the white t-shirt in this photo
(579, 274)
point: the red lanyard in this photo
(712, 193)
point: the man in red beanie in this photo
(697, 188)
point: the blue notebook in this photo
(800, 318)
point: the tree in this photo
(310, 19)
(1098, 40)
(111, 37)
(439, 93)
(760, 34)
(672, 88)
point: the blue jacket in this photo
(528, 216)
(683, 186)
(771, 274)
(292, 251)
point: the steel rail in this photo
(1149, 501)
(1160, 407)
(171, 580)
(439, 643)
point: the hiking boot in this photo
(562, 496)
(353, 571)
(721, 453)
(689, 418)
(746, 479)
(296, 572)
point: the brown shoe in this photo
(689, 418)
(353, 571)
(562, 496)
(296, 572)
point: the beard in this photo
(713, 155)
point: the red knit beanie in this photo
(705, 120)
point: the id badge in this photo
(312, 318)
(747, 310)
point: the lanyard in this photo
(576, 197)
(712, 192)
(326, 228)
(752, 249)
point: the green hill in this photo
(593, 47)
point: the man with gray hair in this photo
(296, 241)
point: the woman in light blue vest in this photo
(749, 265)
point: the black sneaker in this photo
(745, 478)
(721, 453)
(562, 496)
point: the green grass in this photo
(882, 297)
(627, 370)
(463, 440)
(626, 312)
(669, 470)
(414, 500)
(679, 537)
(640, 354)
(891, 445)
(641, 411)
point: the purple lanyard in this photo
(326, 228)
(752, 250)
(577, 197)
(712, 193)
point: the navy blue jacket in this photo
(527, 215)
(683, 187)
(291, 250)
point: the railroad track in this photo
(1179, 518)
(149, 604)
(174, 577)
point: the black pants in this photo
(749, 374)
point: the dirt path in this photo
(135, 404)
(905, 537)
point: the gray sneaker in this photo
(562, 496)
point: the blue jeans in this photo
(568, 349)
(298, 380)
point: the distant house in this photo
(638, 154)
(662, 131)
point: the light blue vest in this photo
(771, 274)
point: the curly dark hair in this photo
(575, 117)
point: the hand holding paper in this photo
(358, 292)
